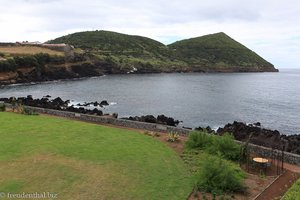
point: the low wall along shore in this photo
(255, 149)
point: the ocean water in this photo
(197, 99)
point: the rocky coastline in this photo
(255, 133)
(160, 119)
(86, 70)
(78, 72)
(56, 104)
(261, 136)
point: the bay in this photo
(195, 98)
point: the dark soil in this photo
(280, 186)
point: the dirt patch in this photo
(7, 75)
(255, 185)
(178, 146)
(280, 186)
(23, 50)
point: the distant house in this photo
(29, 43)
(58, 47)
(54, 45)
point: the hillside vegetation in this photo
(116, 43)
(124, 53)
(214, 52)
(219, 51)
(105, 52)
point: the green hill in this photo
(105, 52)
(116, 43)
(122, 52)
(211, 53)
(218, 52)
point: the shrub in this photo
(26, 111)
(219, 176)
(225, 146)
(153, 134)
(57, 60)
(42, 58)
(2, 107)
(26, 61)
(199, 140)
(173, 137)
(8, 65)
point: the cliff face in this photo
(103, 52)
(50, 73)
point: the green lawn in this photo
(294, 192)
(79, 160)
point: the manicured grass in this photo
(294, 192)
(79, 160)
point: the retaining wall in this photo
(269, 153)
(255, 149)
(113, 121)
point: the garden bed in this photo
(259, 185)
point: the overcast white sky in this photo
(269, 27)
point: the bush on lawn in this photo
(27, 111)
(173, 137)
(2, 107)
(219, 176)
(199, 140)
(225, 146)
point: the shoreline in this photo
(14, 82)
(241, 131)
(290, 157)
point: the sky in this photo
(271, 28)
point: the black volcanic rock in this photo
(161, 119)
(207, 129)
(96, 103)
(58, 101)
(104, 103)
(261, 136)
(148, 118)
(55, 104)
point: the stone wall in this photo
(269, 153)
(113, 121)
(255, 149)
